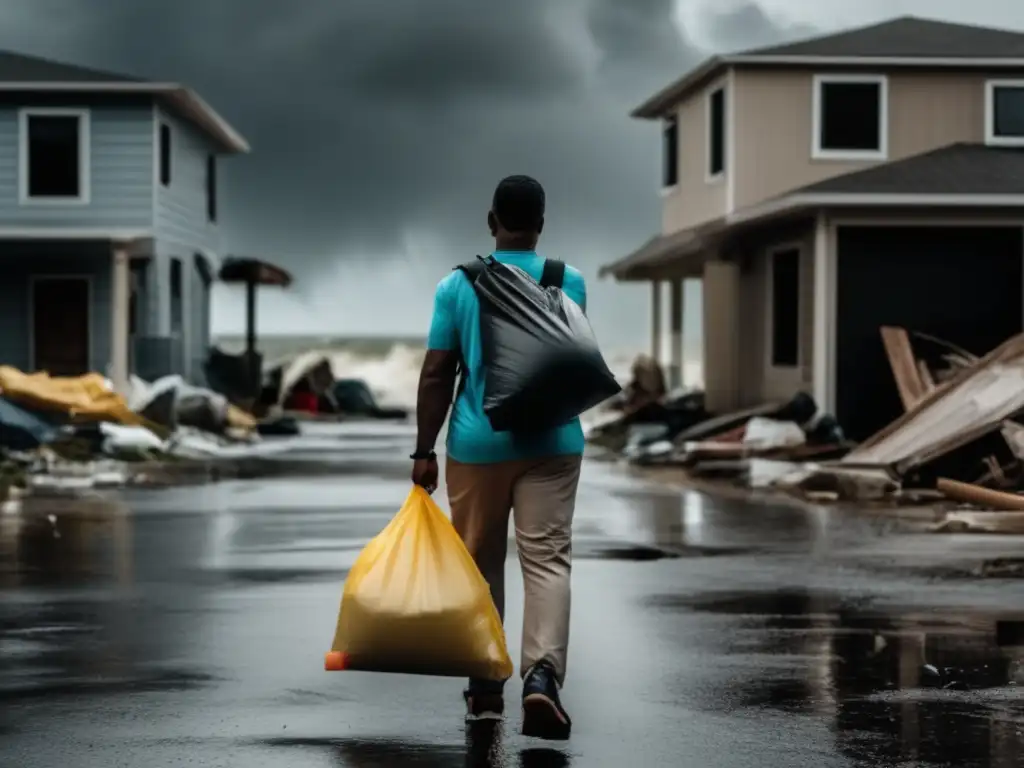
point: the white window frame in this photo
(769, 338)
(820, 153)
(723, 86)
(990, 114)
(84, 155)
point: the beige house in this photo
(821, 189)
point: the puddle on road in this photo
(484, 747)
(902, 688)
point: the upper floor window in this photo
(670, 153)
(850, 120)
(53, 156)
(716, 133)
(1004, 112)
(211, 188)
(165, 154)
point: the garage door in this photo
(962, 284)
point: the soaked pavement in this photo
(187, 626)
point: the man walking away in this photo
(490, 473)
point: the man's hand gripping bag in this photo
(415, 602)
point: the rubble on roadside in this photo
(957, 444)
(73, 433)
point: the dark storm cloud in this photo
(750, 26)
(376, 121)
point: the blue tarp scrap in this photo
(22, 430)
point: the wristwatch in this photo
(421, 455)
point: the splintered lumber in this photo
(979, 496)
(904, 366)
(972, 403)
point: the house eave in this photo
(658, 105)
(185, 100)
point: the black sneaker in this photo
(485, 700)
(543, 714)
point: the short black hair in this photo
(519, 204)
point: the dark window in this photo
(670, 153)
(165, 154)
(53, 146)
(786, 308)
(716, 132)
(211, 187)
(177, 304)
(1008, 112)
(850, 116)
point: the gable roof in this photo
(907, 41)
(910, 37)
(23, 73)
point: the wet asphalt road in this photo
(188, 626)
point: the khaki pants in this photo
(543, 494)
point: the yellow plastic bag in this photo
(415, 602)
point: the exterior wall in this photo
(759, 380)
(121, 165)
(21, 260)
(694, 199)
(773, 114)
(721, 327)
(182, 231)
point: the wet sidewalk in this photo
(188, 625)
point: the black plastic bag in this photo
(542, 365)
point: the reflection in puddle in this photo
(901, 688)
(484, 747)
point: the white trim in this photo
(33, 279)
(714, 88)
(668, 191)
(918, 221)
(990, 114)
(72, 233)
(84, 155)
(730, 142)
(820, 153)
(769, 352)
(823, 308)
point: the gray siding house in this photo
(109, 221)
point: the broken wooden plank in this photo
(972, 403)
(980, 496)
(904, 365)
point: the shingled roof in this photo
(21, 68)
(905, 41)
(957, 169)
(21, 73)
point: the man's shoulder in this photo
(574, 275)
(452, 282)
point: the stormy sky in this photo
(379, 127)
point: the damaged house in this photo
(109, 221)
(823, 189)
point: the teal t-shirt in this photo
(456, 326)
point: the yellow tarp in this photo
(84, 398)
(415, 602)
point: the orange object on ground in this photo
(415, 602)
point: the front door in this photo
(60, 325)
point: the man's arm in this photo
(439, 371)
(434, 397)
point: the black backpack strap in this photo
(554, 273)
(473, 269)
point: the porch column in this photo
(120, 295)
(656, 320)
(676, 357)
(823, 297)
